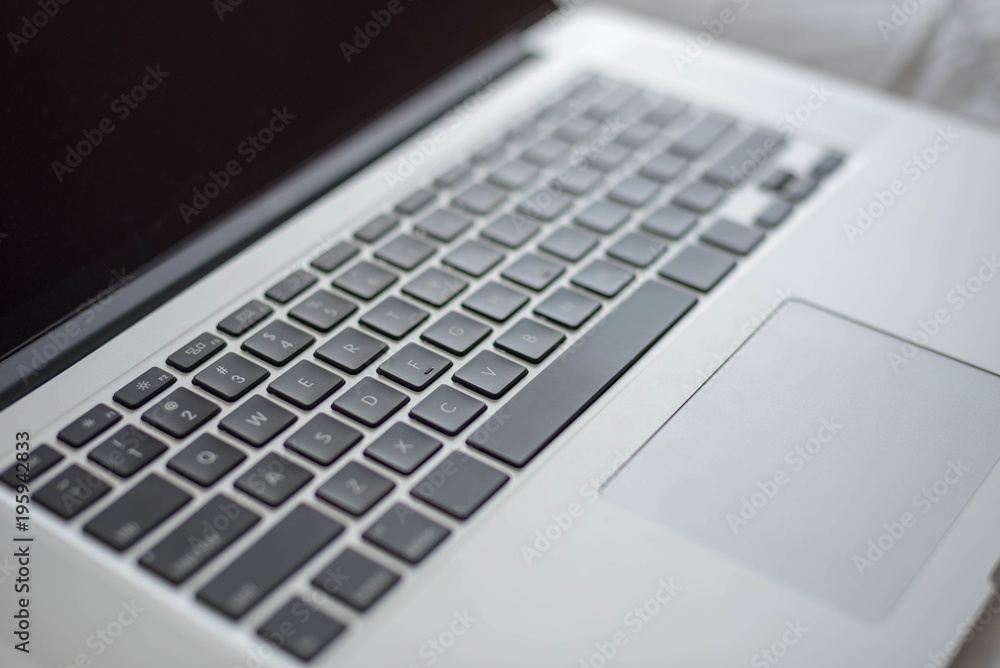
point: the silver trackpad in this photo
(825, 454)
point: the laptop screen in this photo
(128, 128)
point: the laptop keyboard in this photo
(417, 354)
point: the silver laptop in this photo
(484, 334)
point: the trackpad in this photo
(825, 454)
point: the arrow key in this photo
(490, 374)
(403, 448)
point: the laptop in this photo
(484, 334)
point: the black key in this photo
(416, 201)
(355, 580)
(365, 280)
(566, 388)
(525, 132)
(456, 333)
(231, 377)
(590, 88)
(576, 129)
(603, 278)
(473, 258)
(634, 191)
(609, 158)
(510, 230)
(830, 163)
(355, 489)
(145, 387)
(568, 308)
(529, 340)
(774, 214)
(479, 199)
(744, 160)
(489, 152)
(698, 268)
(278, 343)
(665, 112)
(671, 222)
(514, 175)
(199, 539)
(495, 301)
(376, 228)
(603, 217)
(490, 374)
(447, 410)
(394, 318)
(195, 353)
(407, 534)
(533, 272)
(370, 402)
(637, 250)
(305, 385)
(180, 412)
(300, 629)
(127, 451)
(351, 350)
(435, 287)
(273, 479)
(403, 448)
(405, 252)
(732, 237)
(700, 197)
(459, 485)
(578, 180)
(333, 257)
(137, 512)
(414, 367)
(664, 168)
(323, 439)
(545, 151)
(613, 102)
(257, 421)
(569, 244)
(71, 491)
(798, 189)
(701, 136)
(545, 205)
(206, 460)
(290, 287)
(323, 310)
(454, 175)
(638, 134)
(270, 561)
(245, 318)
(90, 424)
(776, 180)
(443, 225)
(41, 459)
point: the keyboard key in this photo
(305, 385)
(82, 430)
(798, 189)
(455, 175)
(403, 448)
(231, 377)
(416, 201)
(447, 410)
(443, 225)
(698, 268)
(257, 421)
(355, 580)
(41, 459)
(489, 152)
(638, 134)
(71, 491)
(525, 132)
(699, 197)
(510, 230)
(376, 228)
(365, 280)
(613, 102)
(602, 217)
(568, 308)
(495, 301)
(370, 402)
(456, 333)
(671, 222)
(351, 350)
(830, 163)
(405, 252)
(137, 512)
(334, 257)
(273, 479)
(665, 112)
(776, 180)
(635, 191)
(270, 561)
(514, 175)
(323, 311)
(609, 158)
(323, 439)
(206, 460)
(701, 136)
(196, 352)
(637, 250)
(290, 287)
(300, 629)
(490, 374)
(664, 168)
(459, 485)
(394, 318)
(529, 340)
(533, 272)
(473, 258)
(545, 205)
(145, 387)
(545, 151)
(435, 287)
(129, 450)
(278, 343)
(355, 489)
(578, 180)
(569, 244)
(741, 162)
(199, 539)
(245, 318)
(576, 129)
(774, 214)
(582, 375)
(603, 278)
(479, 199)
(407, 534)
(414, 367)
(180, 412)
(732, 237)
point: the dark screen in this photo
(128, 127)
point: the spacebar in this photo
(563, 390)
